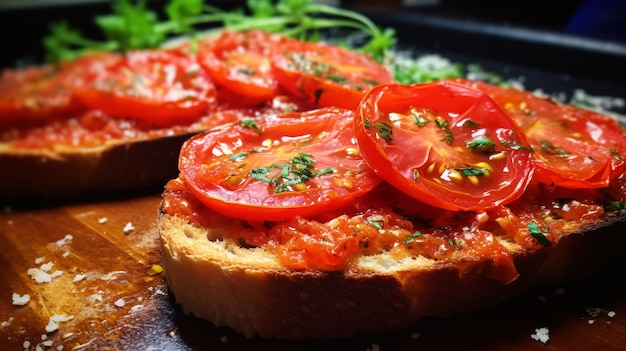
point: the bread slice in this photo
(214, 277)
(64, 173)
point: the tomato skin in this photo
(239, 62)
(229, 186)
(574, 147)
(428, 160)
(35, 95)
(326, 75)
(160, 87)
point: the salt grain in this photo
(541, 334)
(128, 228)
(611, 314)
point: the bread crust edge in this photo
(263, 299)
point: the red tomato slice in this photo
(444, 144)
(574, 147)
(239, 62)
(46, 92)
(161, 87)
(278, 167)
(326, 75)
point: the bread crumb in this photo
(102, 220)
(591, 321)
(20, 300)
(611, 314)
(119, 302)
(541, 334)
(79, 277)
(128, 228)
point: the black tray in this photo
(550, 60)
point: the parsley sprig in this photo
(133, 25)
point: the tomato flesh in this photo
(326, 75)
(445, 144)
(275, 168)
(574, 147)
(239, 62)
(162, 87)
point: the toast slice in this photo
(215, 277)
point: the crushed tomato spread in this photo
(387, 221)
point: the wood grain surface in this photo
(97, 255)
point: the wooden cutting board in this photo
(96, 289)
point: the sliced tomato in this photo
(161, 87)
(239, 62)
(42, 93)
(574, 147)
(444, 144)
(326, 75)
(275, 168)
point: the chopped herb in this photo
(550, 149)
(367, 123)
(617, 155)
(378, 223)
(482, 145)
(471, 171)
(297, 171)
(238, 156)
(250, 123)
(448, 138)
(337, 79)
(533, 229)
(385, 131)
(515, 146)
(419, 119)
(416, 175)
(615, 206)
(412, 237)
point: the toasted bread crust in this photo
(120, 165)
(248, 290)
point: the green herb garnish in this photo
(133, 25)
(297, 171)
(385, 131)
(482, 145)
(533, 229)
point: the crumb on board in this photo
(20, 300)
(128, 228)
(541, 334)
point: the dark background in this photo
(23, 25)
